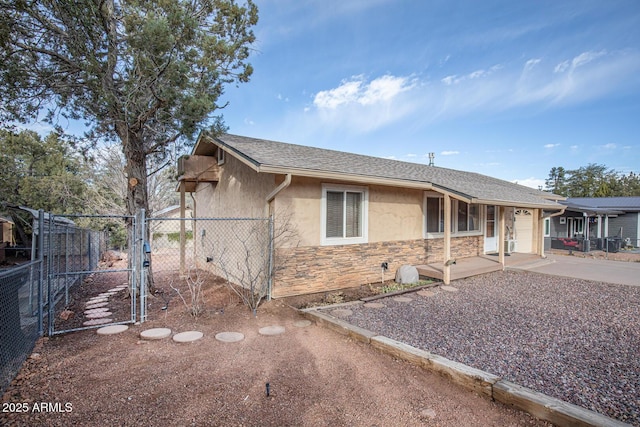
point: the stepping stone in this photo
(342, 312)
(95, 322)
(302, 323)
(115, 290)
(271, 330)
(374, 305)
(96, 310)
(155, 334)
(95, 300)
(96, 305)
(229, 336)
(188, 336)
(112, 330)
(449, 288)
(98, 315)
(403, 299)
(427, 294)
(106, 294)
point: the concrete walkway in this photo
(617, 272)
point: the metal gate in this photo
(90, 282)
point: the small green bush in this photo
(175, 237)
(393, 287)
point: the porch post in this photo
(182, 227)
(446, 273)
(540, 233)
(501, 235)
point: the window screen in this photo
(335, 213)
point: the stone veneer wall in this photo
(311, 269)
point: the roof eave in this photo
(519, 204)
(338, 176)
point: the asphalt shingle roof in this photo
(296, 159)
(628, 204)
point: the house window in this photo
(468, 216)
(465, 217)
(547, 227)
(344, 215)
(435, 215)
(220, 156)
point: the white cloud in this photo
(449, 80)
(358, 91)
(531, 64)
(551, 145)
(449, 153)
(586, 57)
(561, 67)
(412, 155)
(535, 82)
(609, 146)
(362, 105)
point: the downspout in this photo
(283, 185)
(279, 188)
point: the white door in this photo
(523, 228)
(490, 230)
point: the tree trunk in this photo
(136, 173)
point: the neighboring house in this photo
(6, 239)
(352, 213)
(165, 232)
(587, 221)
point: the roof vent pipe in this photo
(431, 157)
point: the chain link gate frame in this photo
(72, 255)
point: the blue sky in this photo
(505, 88)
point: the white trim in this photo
(328, 241)
(220, 155)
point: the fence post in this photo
(270, 269)
(40, 253)
(143, 278)
(50, 306)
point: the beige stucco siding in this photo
(241, 192)
(393, 214)
(300, 205)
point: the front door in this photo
(490, 230)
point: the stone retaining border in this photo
(489, 385)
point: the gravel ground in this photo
(572, 339)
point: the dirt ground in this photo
(316, 377)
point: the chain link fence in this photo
(19, 325)
(236, 251)
(52, 276)
(70, 252)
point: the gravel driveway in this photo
(569, 338)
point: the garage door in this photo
(524, 230)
